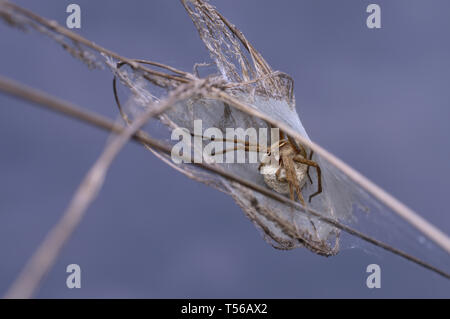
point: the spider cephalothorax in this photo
(287, 174)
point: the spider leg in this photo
(247, 146)
(299, 195)
(308, 162)
(298, 149)
(294, 184)
(304, 154)
(302, 150)
(291, 192)
(259, 166)
(302, 201)
(292, 180)
(277, 174)
(307, 170)
(236, 147)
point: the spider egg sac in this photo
(269, 170)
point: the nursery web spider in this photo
(291, 169)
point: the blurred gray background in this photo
(378, 99)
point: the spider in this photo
(291, 169)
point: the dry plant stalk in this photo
(248, 89)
